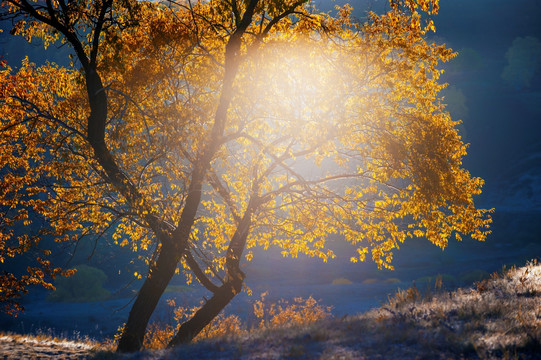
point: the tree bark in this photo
(232, 286)
(208, 312)
(154, 286)
(146, 302)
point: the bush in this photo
(282, 313)
(85, 285)
(523, 62)
(159, 334)
(474, 276)
(342, 281)
(278, 314)
(370, 281)
(437, 281)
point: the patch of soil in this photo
(18, 347)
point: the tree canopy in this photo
(199, 130)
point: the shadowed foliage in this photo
(85, 285)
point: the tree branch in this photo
(199, 274)
(286, 13)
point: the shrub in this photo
(85, 285)
(270, 315)
(474, 276)
(159, 334)
(300, 312)
(370, 281)
(342, 281)
(404, 297)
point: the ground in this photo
(21, 347)
(497, 318)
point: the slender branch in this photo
(97, 31)
(224, 193)
(208, 262)
(235, 11)
(147, 164)
(128, 98)
(100, 235)
(51, 11)
(49, 117)
(286, 13)
(199, 274)
(69, 33)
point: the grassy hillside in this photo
(497, 318)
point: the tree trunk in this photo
(154, 286)
(147, 299)
(232, 286)
(208, 312)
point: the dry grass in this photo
(44, 346)
(268, 316)
(497, 318)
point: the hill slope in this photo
(499, 318)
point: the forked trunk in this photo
(191, 328)
(154, 286)
(225, 293)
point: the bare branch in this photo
(224, 193)
(199, 274)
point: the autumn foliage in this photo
(266, 316)
(199, 130)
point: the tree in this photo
(200, 130)
(523, 61)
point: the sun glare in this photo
(304, 90)
(301, 91)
